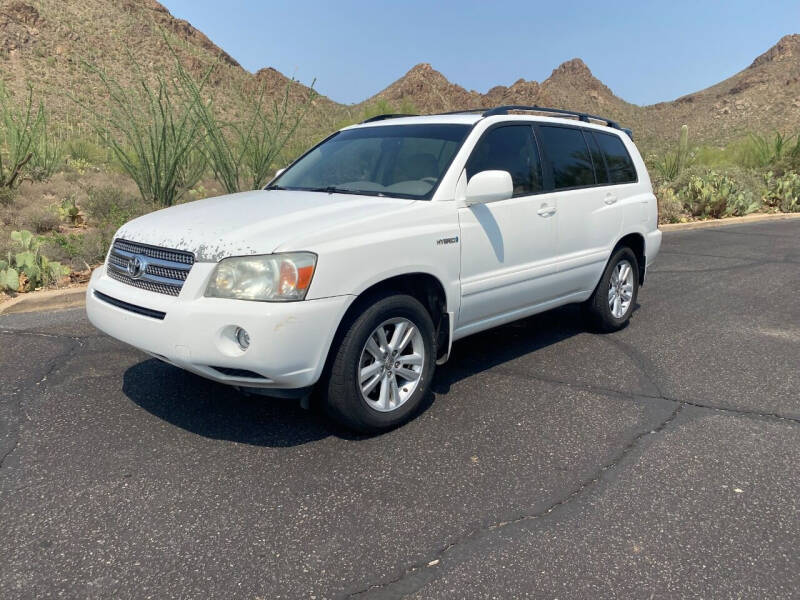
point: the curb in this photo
(73, 297)
(728, 221)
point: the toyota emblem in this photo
(136, 267)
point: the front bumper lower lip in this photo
(289, 341)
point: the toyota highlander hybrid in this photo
(359, 265)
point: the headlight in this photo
(271, 278)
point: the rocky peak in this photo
(787, 48)
(572, 67)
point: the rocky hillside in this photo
(47, 43)
(763, 97)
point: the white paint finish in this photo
(252, 222)
(288, 341)
(496, 261)
(508, 256)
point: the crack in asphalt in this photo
(423, 572)
(19, 393)
(62, 336)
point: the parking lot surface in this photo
(660, 461)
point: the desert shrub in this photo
(40, 219)
(79, 250)
(18, 132)
(670, 206)
(241, 154)
(7, 196)
(670, 165)
(87, 151)
(153, 130)
(109, 206)
(47, 154)
(763, 151)
(783, 192)
(25, 267)
(713, 195)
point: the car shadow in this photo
(221, 412)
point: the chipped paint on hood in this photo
(250, 223)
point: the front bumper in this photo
(289, 341)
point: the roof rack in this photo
(384, 117)
(585, 117)
(504, 110)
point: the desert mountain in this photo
(46, 43)
(763, 97)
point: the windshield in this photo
(400, 161)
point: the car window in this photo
(403, 161)
(509, 148)
(568, 155)
(600, 171)
(620, 165)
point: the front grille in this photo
(160, 270)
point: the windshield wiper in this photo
(330, 189)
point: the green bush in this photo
(19, 130)
(783, 192)
(47, 155)
(87, 151)
(761, 151)
(714, 195)
(28, 269)
(672, 163)
(670, 206)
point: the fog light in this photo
(242, 338)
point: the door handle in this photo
(546, 211)
(610, 199)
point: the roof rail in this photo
(384, 117)
(585, 117)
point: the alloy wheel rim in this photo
(390, 367)
(620, 289)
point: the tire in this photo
(602, 309)
(360, 357)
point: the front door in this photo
(508, 248)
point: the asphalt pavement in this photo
(661, 461)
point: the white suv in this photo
(359, 265)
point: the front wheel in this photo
(383, 365)
(610, 306)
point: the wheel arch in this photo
(425, 287)
(635, 241)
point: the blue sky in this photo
(645, 52)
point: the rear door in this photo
(590, 219)
(508, 248)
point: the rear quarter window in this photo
(620, 165)
(569, 156)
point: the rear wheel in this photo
(610, 306)
(383, 365)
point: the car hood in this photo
(253, 222)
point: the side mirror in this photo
(489, 186)
(278, 173)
